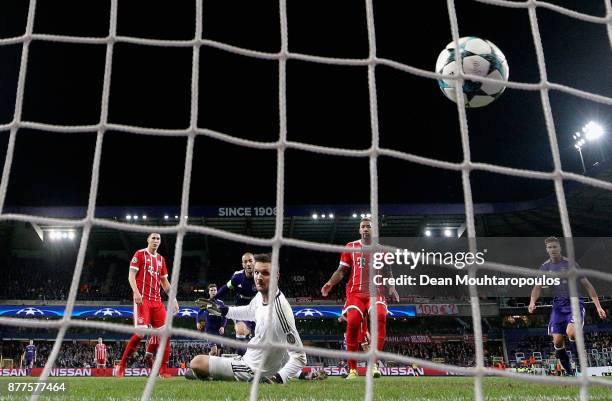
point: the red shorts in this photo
(361, 302)
(101, 362)
(150, 314)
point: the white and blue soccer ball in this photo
(479, 57)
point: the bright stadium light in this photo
(166, 217)
(315, 216)
(52, 235)
(323, 216)
(448, 233)
(144, 216)
(428, 233)
(593, 131)
(331, 215)
(71, 235)
(368, 215)
(135, 217)
(362, 215)
(354, 215)
(128, 217)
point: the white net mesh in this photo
(558, 175)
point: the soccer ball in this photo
(480, 57)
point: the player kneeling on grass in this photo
(280, 329)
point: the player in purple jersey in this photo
(29, 355)
(243, 284)
(562, 322)
(212, 324)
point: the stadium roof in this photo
(589, 211)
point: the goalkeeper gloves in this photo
(212, 308)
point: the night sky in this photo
(327, 105)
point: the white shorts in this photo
(220, 368)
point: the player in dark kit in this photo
(562, 322)
(212, 324)
(243, 284)
(29, 355)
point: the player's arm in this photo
(594, 297)
(297, 359)
(333, 280)
(246, 312)
(230, 285)
(166, 286)
(132, 280)
(535, 295)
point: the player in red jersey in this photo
(148, 272)
(357, 304)
(100, 354)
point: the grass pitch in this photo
(392, 388)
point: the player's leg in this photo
(355, 313)
(556, 328)
(151, 349)
(570, 331)
(381, 317)
(217, 368)
(214, 350)
(242, 334)
(142, 319)
(158, 320)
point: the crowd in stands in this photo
(598, 346)
(104, 278)
(74, 354)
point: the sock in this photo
(152, 344)
(131, 346)
(353, 324)
(382, 326)
(244, 339)
(166, 355)
(564, 359)
(574, 350)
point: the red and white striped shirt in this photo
(100, 352)
(358, 263)
(150, 270)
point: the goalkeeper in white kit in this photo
(280, 365)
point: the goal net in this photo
(557, 176)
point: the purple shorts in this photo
(561, 316)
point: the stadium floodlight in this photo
(166, 217)
(175, 216)
(593, 131)
(368, 215)
(52, 235)
(323, 216)
(354, 215)
(135, 217)
(128, 217)
(448, 232)
(331, 215)
(578, 145)
(71, 235)
(144, 216)
(315, 216)
(428, 233)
